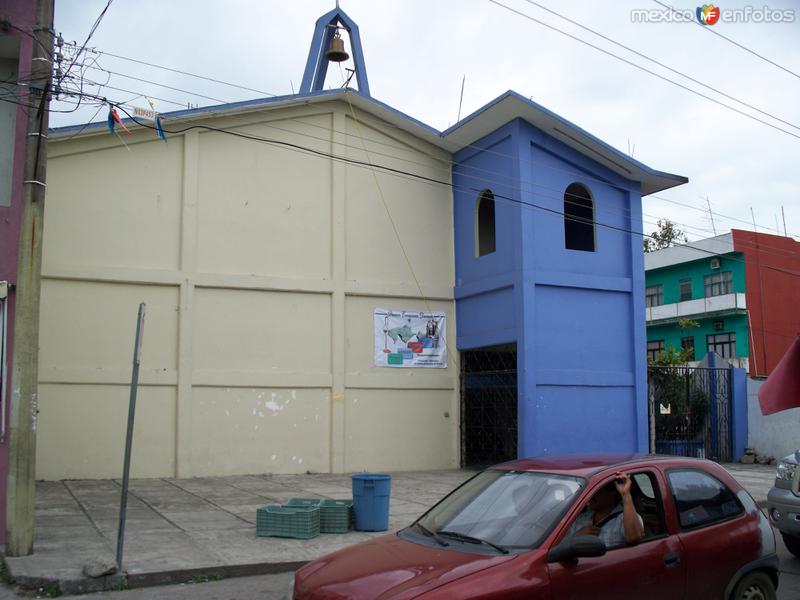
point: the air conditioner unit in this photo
(715, 263)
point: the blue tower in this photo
(317, 64)
(549, 285)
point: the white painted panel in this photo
(398, 430)
(261, 331)
(260, 430)
(725, 302)
(90, 327)
(399, 230)
(691, 307)
(664, 311)
(81, 432)
(266, 209)
(115, 207)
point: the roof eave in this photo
(511, 105)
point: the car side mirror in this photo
(578, 546)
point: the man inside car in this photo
(611, 515)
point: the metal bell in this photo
(336, 52)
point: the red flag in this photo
(781, 391)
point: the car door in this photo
(653, 569)
(716, 533)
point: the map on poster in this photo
(406, 338)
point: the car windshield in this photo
(513, 509)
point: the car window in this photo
(647, 502)
(701, 499)
(513, 509)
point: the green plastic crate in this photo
(303, 502)
(299, 522)
(336, 516)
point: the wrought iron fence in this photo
(488, 405)
(690, 410)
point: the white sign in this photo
(406, 338)
(144, 114)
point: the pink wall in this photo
(20, 13)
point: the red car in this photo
(508, 533)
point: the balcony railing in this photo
(690, 308)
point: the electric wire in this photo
(416, 176)
(627, 211)
(641, 68)
(734, 42)
(660, 64)
(375, 141)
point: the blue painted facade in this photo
(576, 391)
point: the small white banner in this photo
(144, 114)
(407, 338)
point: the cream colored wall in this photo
(260, 267)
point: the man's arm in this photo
(632, 526)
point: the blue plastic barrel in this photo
(371, 494)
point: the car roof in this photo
(586, 465)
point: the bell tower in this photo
(327, 46)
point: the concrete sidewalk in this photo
(179, 529)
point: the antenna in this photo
(783, 214)
(461, 98)
(711, 214)
(753, 215)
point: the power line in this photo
(88, 37)
(660, 64)
(450, 163)
(417, 176)
(204, 77)
(734, 42)
(641, 68)
(164, 85)
(407, 174)
(93, 50)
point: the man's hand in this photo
(622, 481)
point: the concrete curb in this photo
(123, 581)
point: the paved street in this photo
(272, 587)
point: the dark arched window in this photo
(578, 218)
(484, 224)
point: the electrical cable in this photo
(157, 66)
(558, 191)
(660, 64)
(641, 68)
(734, 42)
(397, 147)
(416, 176)
(583, 175)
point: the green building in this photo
(704, 283)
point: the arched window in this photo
(578, 218)
(484, 224)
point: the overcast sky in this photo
(417, 51)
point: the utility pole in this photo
(25, 361)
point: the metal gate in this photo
(690, 409)
(488, 405)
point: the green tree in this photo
(667, 234)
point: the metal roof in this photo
(469, 130)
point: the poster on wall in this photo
(406, 338)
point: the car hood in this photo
(386, 567)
